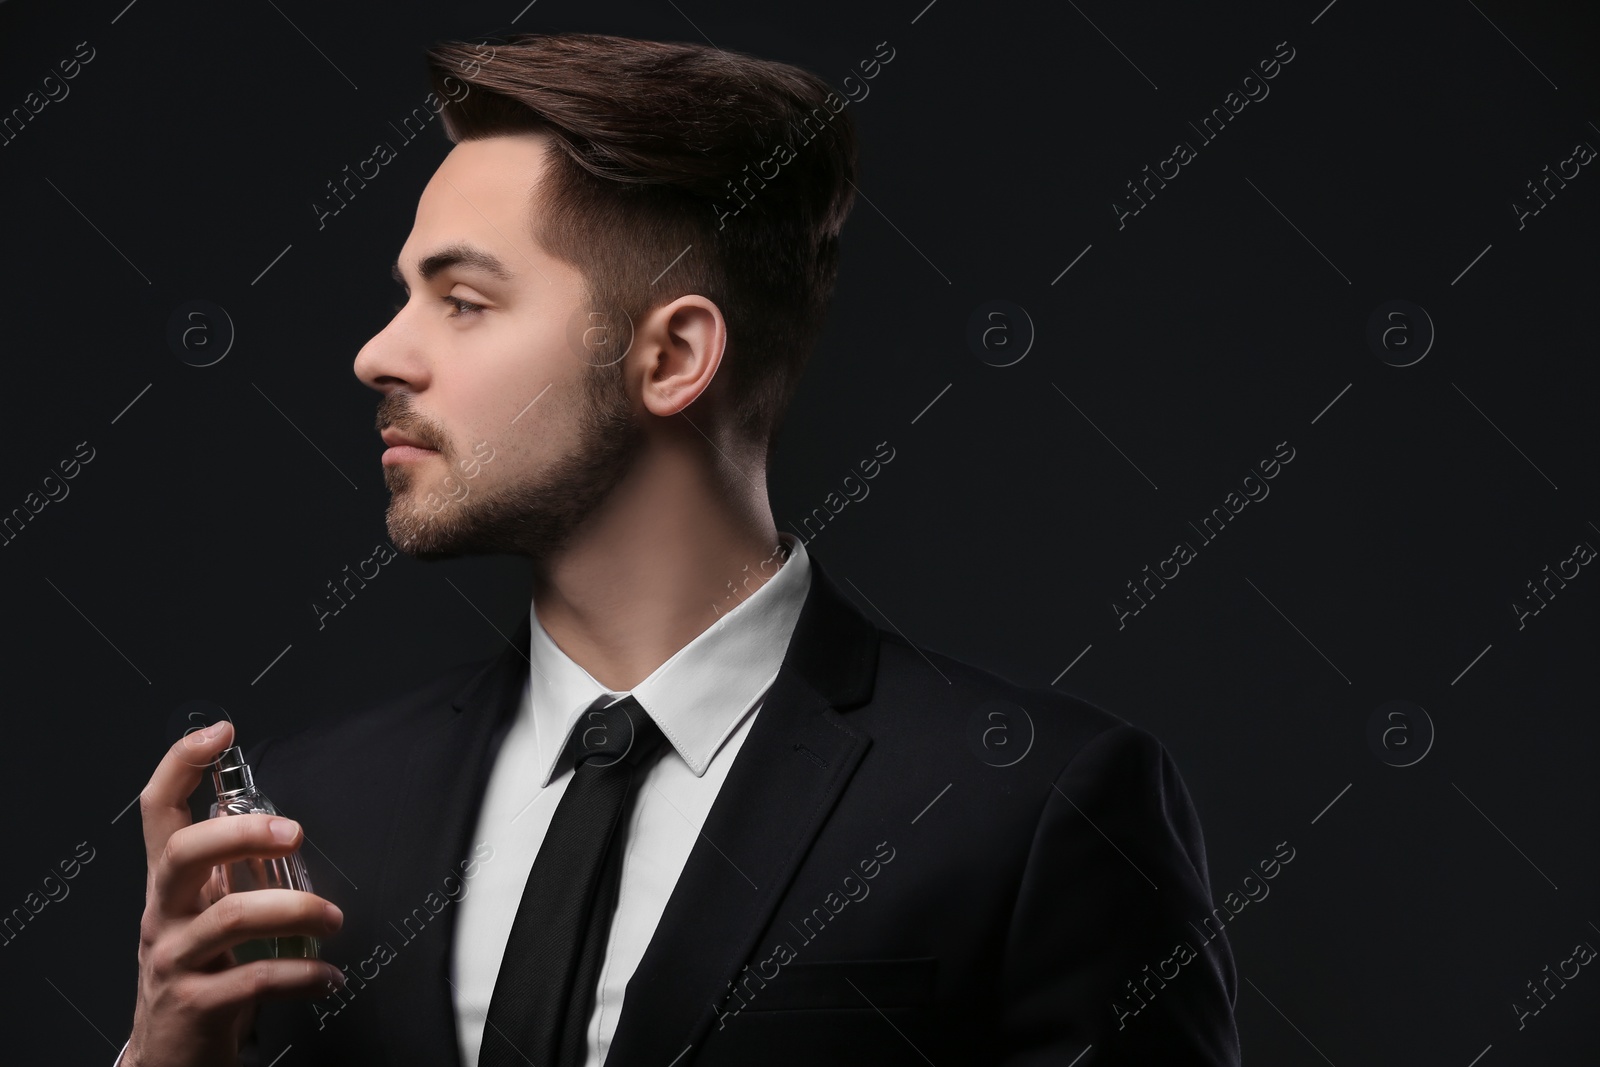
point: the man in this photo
(701, 810)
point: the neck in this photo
(650, 569)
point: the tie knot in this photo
(616, 733)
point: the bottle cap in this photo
(230, 773)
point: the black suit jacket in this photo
(881, 880)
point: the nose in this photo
(393, 358)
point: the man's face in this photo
(527, 435)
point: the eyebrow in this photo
(457, 255)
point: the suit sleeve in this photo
(1105, 952)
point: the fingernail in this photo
(213, 730)
(336, 977)
(333, 914)
(283, 830)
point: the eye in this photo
(462, 307)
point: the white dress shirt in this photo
(704, 698)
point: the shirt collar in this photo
(701, 694)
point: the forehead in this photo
(481, 195)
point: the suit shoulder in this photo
(390, 719)
(1057, 725)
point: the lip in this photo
(392, 437)
(403, 448)
(405, 454)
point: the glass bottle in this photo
(237, 795)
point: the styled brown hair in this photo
(747, 163)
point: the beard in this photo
(535, 517)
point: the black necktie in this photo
(544, 993)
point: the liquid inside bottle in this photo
(237, 795)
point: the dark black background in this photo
(1220, 321)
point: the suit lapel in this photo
(783, 785)
(441, 789)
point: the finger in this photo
(213, 890)
(164, 801)
(237, 986)
(239, 917)
(191, 852)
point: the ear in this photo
(683, 341)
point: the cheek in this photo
(518, 442)
(534, 383)
(512, 396)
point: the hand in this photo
(196, 1003)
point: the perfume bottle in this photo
(237, 795)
